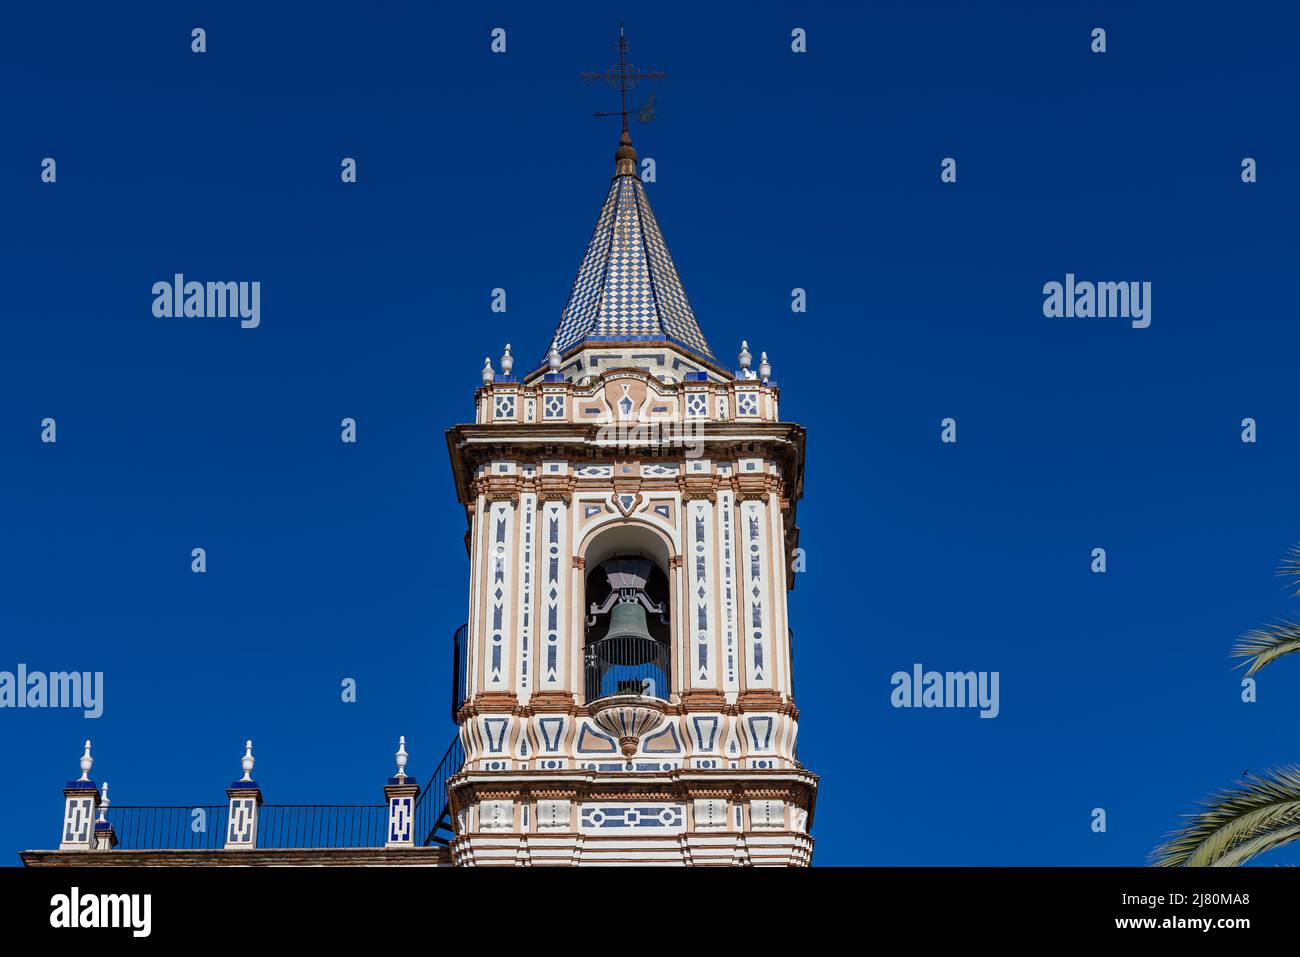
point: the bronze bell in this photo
(627, 620)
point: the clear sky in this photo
(775, 170)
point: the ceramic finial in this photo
(401, 756)
(246, 762)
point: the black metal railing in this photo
(321, 825)
(183, 828)
(281, 826)
(202, 827)
(432, 810)
(626, 665)
(459, 669)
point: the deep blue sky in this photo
(775, 170)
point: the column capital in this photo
(703, 487)
(556, 488)
(755, 488)
(499, 488)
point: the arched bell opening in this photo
(628, 629)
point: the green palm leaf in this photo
(1291, 567)
(1233, 825)
(1258, 845)
(1267, 644)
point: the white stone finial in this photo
(87, 762)
(246, 762)
(745, 357)
(553, 359)
(764, 368)
(507, 361)
(103, 803)
(401, 756)
(488, 374)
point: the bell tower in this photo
(625, 680)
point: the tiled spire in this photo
(627, 288)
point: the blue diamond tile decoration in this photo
(627, 288)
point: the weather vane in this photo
(625, 77)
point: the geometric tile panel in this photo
(77, 817)
(643, 817)
(401, 814)
(243, 822)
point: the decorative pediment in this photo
(627, 502)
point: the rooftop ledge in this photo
(260, 857)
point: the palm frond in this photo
(1290, 567)
(1241, 853)
(1256, 814)
(1267, 644)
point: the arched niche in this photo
(614, 664)
(626, 537)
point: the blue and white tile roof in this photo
(627, 288)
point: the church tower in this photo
(625, 681)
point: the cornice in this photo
(795, 786)
(470, 446)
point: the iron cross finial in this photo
(623, 77)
